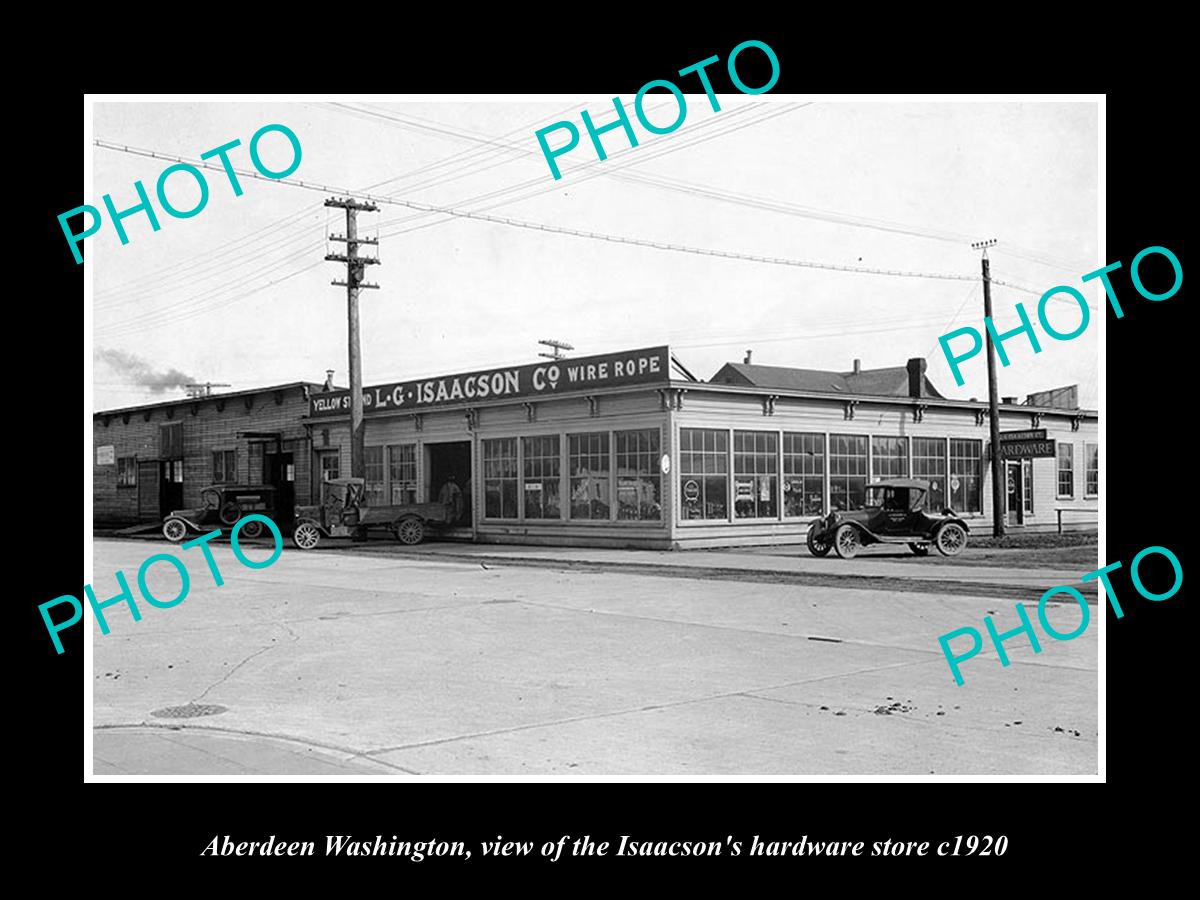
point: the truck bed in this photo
(434, 513)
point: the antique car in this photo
(223, 504)
(894, 514)
(345, 512)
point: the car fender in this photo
(865, 535)
(947, 521)
(311, 521)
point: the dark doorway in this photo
(147, 480)
(170, 486)
(279, 469)
(1016, 502)
(444, 461)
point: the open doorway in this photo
(446, 461)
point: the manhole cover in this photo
(191, 711)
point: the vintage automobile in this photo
(224, 504)
(344, 512)
(894, 514)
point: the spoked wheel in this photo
(230, 512)
(846, 542)
(252, 529)
(919, 549)
(306, 536)
(410, 531)
(816, 546)
(174, 530)
(951, 539)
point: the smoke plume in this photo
(137, 371)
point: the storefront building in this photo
(151, 459)
(613, 451)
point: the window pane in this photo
(402, 473)
(541, 483)
(889, 457)
(1066, 470)
(500, 478)
(639, 482)
(703, 473)
(848, 471)
(373, 474)
(588, 467)
(803, 468)
(965, 475)
(755, 475)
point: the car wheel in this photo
(951, 539)
(306, 536)
(174, 530)
(252, 529)
(816, 546)
(230, 513)
(410, 531)
(919, 549)
(846, 542)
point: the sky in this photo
(240, 293)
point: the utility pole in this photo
(993, 403)
(556, 349)
(355, 268)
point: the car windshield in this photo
(887, 497)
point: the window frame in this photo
(131, 466)
(554, 460)
(773, 456)
(223, 455)
(978, 474)
(1059, 471)
(683, 473)
(786, 477)
(905, 444)
(865, 475)
(607, 453)
(516, 477)
(654, 470)
(1088, 470)
(380, 486)
(391, 465)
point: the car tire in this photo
(951, 539)
(410, 531)
(816, 547)
(846, 542)
(919, 549)
(230, 513)
(251, 529)
(306, 536)
(174, 530)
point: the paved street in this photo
(369, 659)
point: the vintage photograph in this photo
(750, 448)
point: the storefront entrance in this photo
(170, 486)
(446, 461)
(1015, 493)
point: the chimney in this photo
(916, 377)
(746, 361)
(329, 379)
(857, 366)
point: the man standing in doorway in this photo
(451, 495)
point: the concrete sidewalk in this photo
(880, 569)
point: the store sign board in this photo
(1029, 434)
(106, 455)
(1026, 449)
(537, 381)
